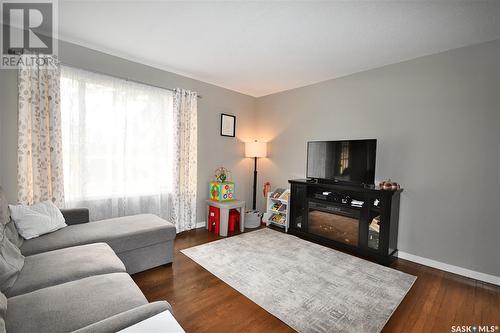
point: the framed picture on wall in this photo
(227, 125)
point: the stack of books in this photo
(277, 218)
(277, 194)
(285, 195)
(279, 207)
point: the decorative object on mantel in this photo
(389, 185)
(227, 125)
(222, 188)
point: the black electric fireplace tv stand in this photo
(358, 219)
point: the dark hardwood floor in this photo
(203, 303)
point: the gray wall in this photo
(213, 150)
(8, 133)
(437, 121)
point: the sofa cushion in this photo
(11, 261)
(73, 305)
(13, 235)
(69, 264)
(122, 234)
(10, 228)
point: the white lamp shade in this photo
(255, 149)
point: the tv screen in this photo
(351, 161)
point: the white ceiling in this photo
(259, 48)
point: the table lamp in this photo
(255, 149)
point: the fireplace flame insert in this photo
(334, 222)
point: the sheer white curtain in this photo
(118, 145)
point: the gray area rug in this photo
(310, 287)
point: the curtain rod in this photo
(122, 78)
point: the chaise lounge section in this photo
(141, 241)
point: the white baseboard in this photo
(451, 268)
(201, 224)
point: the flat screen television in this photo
(348, 161)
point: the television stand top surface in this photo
(342, 185)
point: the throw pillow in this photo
(36, 220)
(11, 263)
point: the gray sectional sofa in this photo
(76, 279)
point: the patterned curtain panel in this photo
(183, 212)
(39, 148)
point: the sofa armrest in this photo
(76, 215)
(125, 319)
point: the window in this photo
(117, 144)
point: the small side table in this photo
(162, 322)
(225, 207)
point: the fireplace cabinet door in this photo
(377, 225)
(298, 207)
(374, 228)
